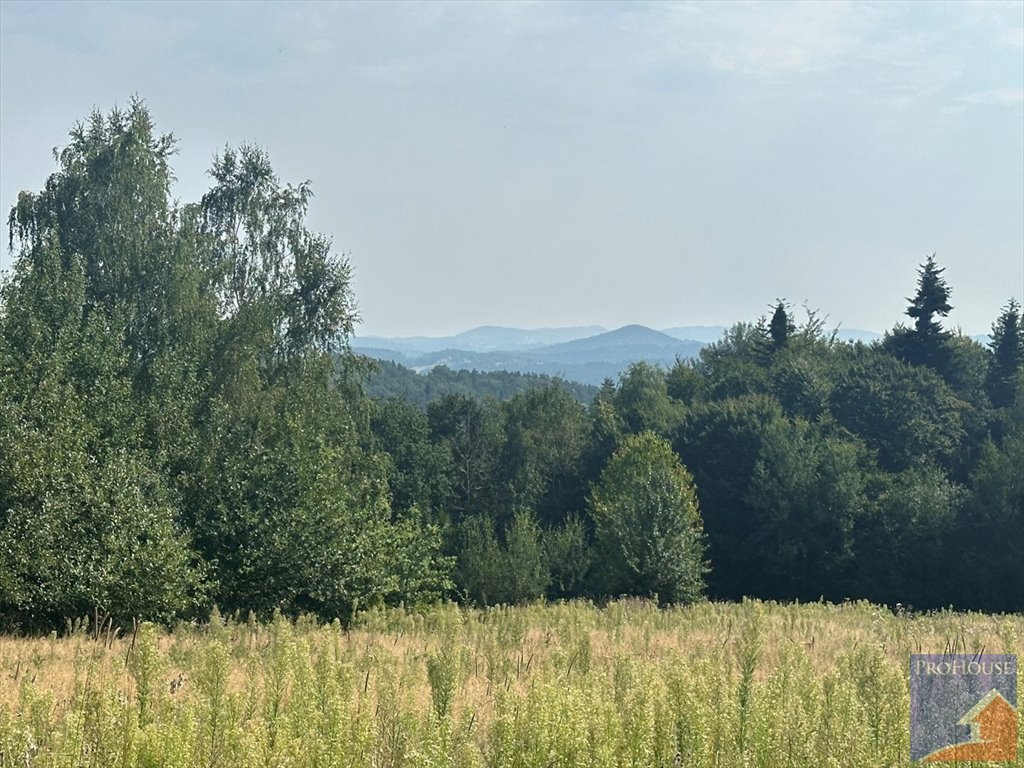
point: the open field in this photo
(755, 684)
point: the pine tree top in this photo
(931, 299)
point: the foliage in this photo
(511, 571)
(925, 343)
(806, 492)
(545, 440)
(419, 469)
(720, 442)
(1007, 347)
(648, 532)
(734, 365)
(931, 299)
(907, 414)
(643, 403)
(473, 435)
(182, 424)
(87, 514)
(395, 381)
(177, 424)
(989, 535)
(780, 328)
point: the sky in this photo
(541, 164)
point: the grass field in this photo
(756, 684)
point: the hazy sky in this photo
(540, 164)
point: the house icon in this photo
(993, 722)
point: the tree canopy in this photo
(183, 426)
(178, 430)
(648, 531)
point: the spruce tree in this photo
(931, 300)
(1007, 347)
(926, 343)
(780, 326)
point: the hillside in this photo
(395, 380)
(485, 338)
(623, 345)
(588, 359)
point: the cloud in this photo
(1013, 37)
(392, 74)
(995, 97)
(766, 39)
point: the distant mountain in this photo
(624, 345)
(589, 360)
(486, 338)
(586, 354)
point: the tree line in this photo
(393, 380)
(822, 469)
(182, 425)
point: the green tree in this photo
(802, 380)
(919, 506)
(545, 438)
(391, 380)
(294, 516)
(907, 414)
(178, 404)
(1007, 359)
(275, 280)
(605, 433)
(735, 365)
(806, 494)
(491, 571)
(931, 299)
(569, 558)
(682, 382)
(419, 470)
(289, 507)
(89, 351)
(781, 327)
(642, 400)
(648, 533)
(987, 540)
(720, 442)
(988, 537)
(926, 343)
(473, 434)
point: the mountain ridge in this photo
(587, 354)
(588, 360)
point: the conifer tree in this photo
(1007, 347)
(931, 300)
(926, 343)
(780, 326)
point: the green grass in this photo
(756, 684)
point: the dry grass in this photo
(559, 685)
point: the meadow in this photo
(541, 686)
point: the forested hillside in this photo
(182, 425)
(387, 379)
